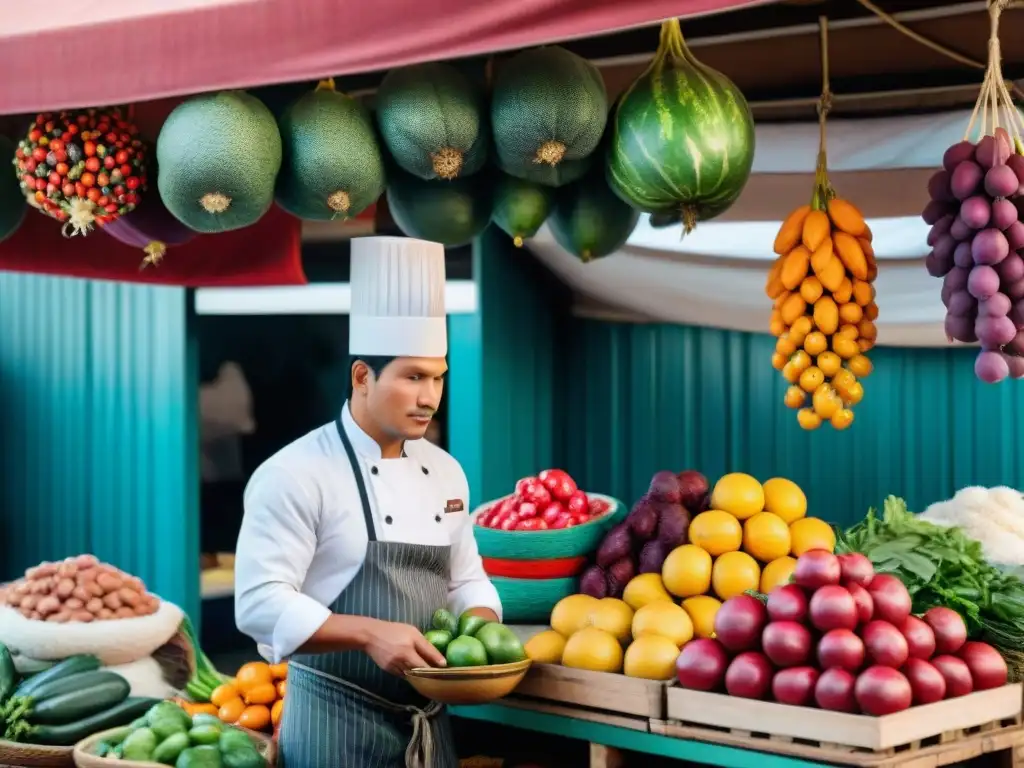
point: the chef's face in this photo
(403, 396)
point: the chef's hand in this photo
(397, 648)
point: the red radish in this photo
(920, 638)
(787, 603)
(749, 676)
(987, 667)
(949, 628)
(892, 601)
(840, 649)
(739, 623)
(882, 691)
(795, 686)
(956, 673)
(816, 568)
(701, 664)
(834, 691)
(786, 643)
(833, 607)
(558, 483)
(856, 569)
(885, 645)
(865, 605)
(926, 682)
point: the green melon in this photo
(448, 212)
(218, 156)
(548, 106)
(589, 220)
(566, 172)
(521, 207)
(433, 120)
(683, 137)
(12, 202)
(332, 166)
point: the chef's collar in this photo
(363, 444)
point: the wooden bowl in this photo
(468, 685)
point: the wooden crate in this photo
(601, 691)
(945, 733)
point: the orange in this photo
(230, 711)
(784, 498)
(815, 343)
(784, 345)
(252, 674)
(733, 574)
(829, 363)
(255, 718)
(702, 610)
(264, 693)
(845, 347)
(738, 494)
(777, 573)
(224, 693)
(825, 401)
(795, 397)
(854, 393)
(801, 360)
(811, 533)
(808, 419)
(811, 378)
(279, 671)
(687, 571)
(779, 361)
(276, 711)
(716, 532)
(859, 365)
(842, 419)
(766, 537)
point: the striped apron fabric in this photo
(343, 711)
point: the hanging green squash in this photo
(566, 172)
(589, 220)
(12, 201)
(683, 141)
(332, 165)
(448, 212)
(521, 207)
(549, 107)
(433, 120)
(218, 155)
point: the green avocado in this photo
(470, 624)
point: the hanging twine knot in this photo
(824, 104)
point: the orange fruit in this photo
(811, 378)
(733, 574)
(282, 686)
(815, 343)
(779, 361)
(716, 532)
(859, 365)
(826, 401)
(785, 345)
(702, 610)
(854, 393)
(830, 363)
(766, 537)
(738, 494)
(230, 711)
(255, 718)
(279, 671)
(777, 573)
(801, 360)
(811, 533)
(808, 419)
(252, 674)
(842, 419)
(276, 711)
(264, 693)
(784, 498)
(224, 693)
(795, 397)
(845, 347)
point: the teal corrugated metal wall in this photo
(648, 397)
(503, 391)
(99, 445)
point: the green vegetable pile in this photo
(167, 735)
(942, 566)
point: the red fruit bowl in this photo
(558, 568)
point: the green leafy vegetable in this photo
(942, 566)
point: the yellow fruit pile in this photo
(822, 285)
(748, 540)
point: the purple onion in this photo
(149, 223)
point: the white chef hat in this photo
(397, 286)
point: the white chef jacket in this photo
(303, 537)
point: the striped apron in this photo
(343, 711)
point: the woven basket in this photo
(84, 756)
(580, 540)
(34, 755)
(529, 601)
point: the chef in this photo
(354, 534)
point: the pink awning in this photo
(65, 54)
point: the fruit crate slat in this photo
(836, 736)
(595, 690)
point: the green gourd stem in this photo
(671, 41)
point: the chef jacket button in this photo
(373, 470)
(437, 518)
(389, 520)
(425, 470)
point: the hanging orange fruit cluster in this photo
(824, 312)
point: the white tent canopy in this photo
(715, 276)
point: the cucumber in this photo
(8, 674)
(79, 703)
(67, 734)
(28, 667)
(76, 682)
(71, 665)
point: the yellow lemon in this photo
(664, 619)
(593, 649)
(811, 533)
(716, 532)
(738, 494)
(784, 498)
(545, 647)
(687, 571)
(702, 609)
(776, 573)
(572, 613)
(766, 537)
(651, 657)
(734, 573)
(613, 616)
(643, 589)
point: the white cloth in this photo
(397, 298)
(303, 536)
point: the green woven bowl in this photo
(580, 540)
(529, 601)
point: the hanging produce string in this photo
(822, 188)
(937, 47)
(994, 103)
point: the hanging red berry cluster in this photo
(82, 167)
